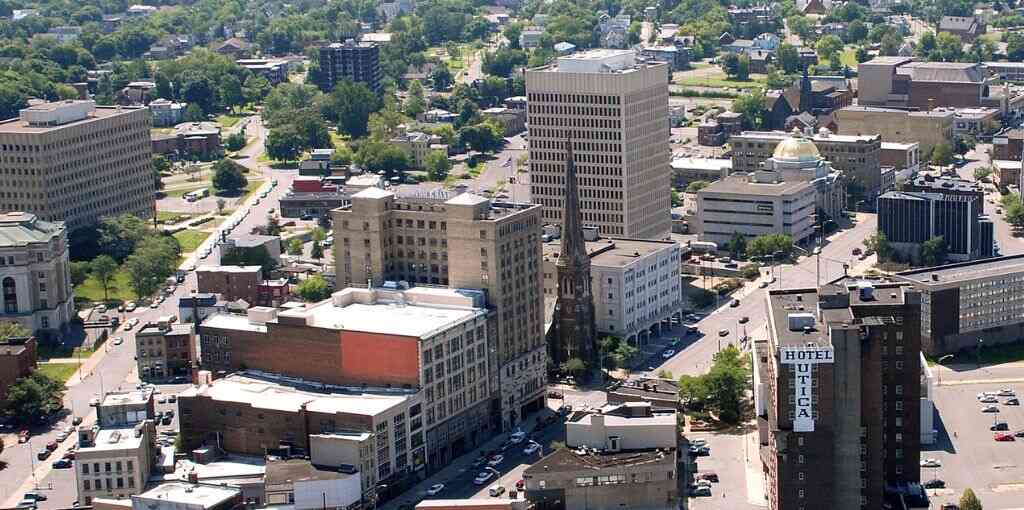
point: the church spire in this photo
(806, 93)
(574, 249)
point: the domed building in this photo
(797, 158)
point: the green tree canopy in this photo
(768, 244)
(788, 58)
(103, 268)
(235, 141)
(696, 186)
(933, 251)
(350, 105)
(154, 259)
(969, 501)
(380, 156)
(285, 143)
(437, 165)
(227, 176)
(313, 289)
(31, 399)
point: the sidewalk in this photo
(755, 478)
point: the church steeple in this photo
(806, 93)
(575, 329)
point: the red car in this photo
(520, 484)
(70, 455)
(1003, 437)
(23, 436)
(52, 445)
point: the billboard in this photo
(802, 358)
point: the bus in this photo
(192, 196)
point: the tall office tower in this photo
(615, 111)
(837, 389)
(467, 242)
(575, 334)
(356, 61)
(74, 162)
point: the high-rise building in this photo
(35, 273)
(356, 61)
(615, 111)
(465, 242)
(837, 390)
(575, 330)
(75, 162)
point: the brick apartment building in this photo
(17, 360)
(165, 350)
(231, 282)
(429, 339)
(837, 393)
(904, 82)
(462, 241)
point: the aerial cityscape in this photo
(511, 254)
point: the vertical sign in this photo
(802, 358)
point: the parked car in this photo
(1003, 436)
(27, 503)
(1007, 392)
(934, 483)
(517, 437)
(700, 451)
(999, 425)
(52, 445)
(61, 464)
(734, 303)
(130, 306)
(118, 340)
(35, 496)
(520, 484)
(531, 448)
(496, 491)
(22, 436)
(930, 463)
(61, 437)
(762, 285)
(990, 409)
(556, 394)
(668, 353)
(497, 459)
(699, 492)
(43, 454)
(1012, 402)
(710, 476)
(482, 477)
(433, 490)
(744, 319)
(989, 399)
(723, 332)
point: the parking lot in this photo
(727, 460)
(966, 448)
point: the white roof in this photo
(701, 163)
(373, 193)
(233, 321)
(228, 269)
(114, 439)
(268, 394)
(898, 145)
(207, 496)
(467, 199)
(1007, 164)
(384, 318)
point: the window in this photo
(85, 469)
(131, 465)
(118, 466)
(800, 476)
(800, 459)
(86, 485)
(106, 467)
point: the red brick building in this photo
(231, 282)
(17, 360)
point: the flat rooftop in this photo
(782, 303)
(264, 391)
(287, 472)
(951, 275)
(612, 252)
(233, 321)
(384, 317)
(203, 495)
(228, 269)
(236, 467)
(131, 397)
(114, 439)
(710, 164)
(740, 184)
(817, 137)
(568, 460)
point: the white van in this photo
(496, 491)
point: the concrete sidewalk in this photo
(755, 478)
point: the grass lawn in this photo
(190, 239)
(119, 288)
(58, 371)
(695, 81)
(162, 131)
(178, 193)
(227, 121)
(173, 217)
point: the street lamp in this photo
(938, 368)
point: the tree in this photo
(228, 177)
(441, 77)
(437, 165)
(295, 246)
(1014, 214)
(118, 235)
(482, 137)
(890, 44)
(969, 501)
(231, 93)
(284, 143)
(79, 272)
(154, 259)
(933, 251)
(1015, 47)
(574, 366)
(161, 164)
(751, 106)
(788, 58)
(379, 156)
(415, 104)
(828, 48)
(730, 64)
(801, 26)
(856, 32)
(193, 113)
(692, 390)
(313, 289)
(103, 269)
(737, 245)
(696, 186)
(250, 257)
(677, 198)
(317, 251)
(13, 330)
(255, 89)
(948, 47)
(982, 173)
(235, 141)
(33, 398)
(512, 33)
(942, 154)
(743, 68)
(350, 105)
(766, 245)
(665, 374)
(879, 244)
(727, 383)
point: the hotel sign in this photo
(802, 358)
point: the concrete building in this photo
(836, 392)
(926, 128)
(434, 340)
(302, 485)
(35, 273)
(417, 145)
(356, 61)
(967, 28)
(512, 120)
(252, 244)
(615, 112)
(904, 158)
(165, 350)
(755, 204)
(856, 156)
(120, 409)
(1007, 145)
(677, 58)
(687, 170)
(635, 284)
(189, 496)
(622, 456)
(909, 218)
(114, 462)
(166, 112)
(976, 122)
(904, 82)
(91, 161)
(197, 306)
(17, 360)
(1006, 173)
(274, 70)
(465, 242)
(252, 413)
(197, 140)
(970, 305)
(660, 393)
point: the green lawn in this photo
(178, 193)
(119, 288)
(849, 58)
(227, 121)
(190, 239)
(694, 81)
(173, 217)
(58, 371)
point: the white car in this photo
(986, 394)
(1007, 392)
(668, 354)
(990, 409)
(517, 437)
(762, 285)
(154, 304)
(531, 449)
(988, 399)
(434, 489)
(130, 306)
(482, 477)
(931, 463)
(497, 459)
(118, 341)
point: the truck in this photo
(200, 193)
(703, 246)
